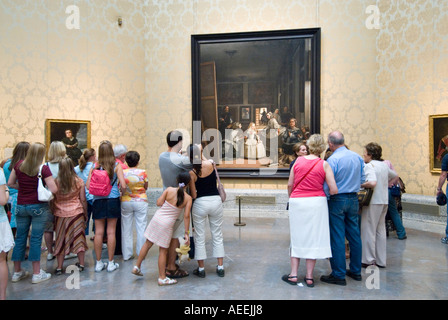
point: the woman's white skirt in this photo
(309, 228)
(6, 237)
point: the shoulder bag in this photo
(364, 197)
(222, 192)
(43, 194)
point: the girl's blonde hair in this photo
(106, 158)
(33, 160)
(66, 179)
(57, 152)
(316, 144)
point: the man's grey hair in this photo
(119, 150)
(336, 138)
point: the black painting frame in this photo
(315, 114)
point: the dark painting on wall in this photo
(75, 134)
(438, 141)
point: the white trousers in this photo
(208, 207)
(373, 234)
(133, 212)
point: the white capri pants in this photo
(373, 234)
(211, 207)
(133, 211)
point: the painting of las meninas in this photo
(256, 97)
(75, 134)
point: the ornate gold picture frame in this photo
(76, 142)
(438, 141)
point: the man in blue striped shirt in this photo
(348, 168)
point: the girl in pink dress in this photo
(160, 229)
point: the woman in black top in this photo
(207, 204)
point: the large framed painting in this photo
(75, 134)
(438, 141)
(256, 95)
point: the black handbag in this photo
(441, 199)
(364, 196)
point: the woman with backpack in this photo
(106, 206)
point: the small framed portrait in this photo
(75, 134)
(245, 113)
(438, 141)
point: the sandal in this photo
(286, 278)
(136, 270)
(58, 272)
(167, 281)
(80, 266)
(176, 274)
(309, 285)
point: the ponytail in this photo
(180, 195)
(88, 153)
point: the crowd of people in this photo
(63, 222)
(324, 211)
(325, 214)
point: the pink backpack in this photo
(100, 183)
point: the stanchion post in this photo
(239, 223)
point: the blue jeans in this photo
(446, 230)
(28, 216)
(395, 216)
(343, 210)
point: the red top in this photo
(28, 185)
(313, 184)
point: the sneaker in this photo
(200, 274)
(100, 266)
(220, 271)
(50, 257)
(42, 276)
(17, 276)
(70, 256)
(444, 240)
(112, 266)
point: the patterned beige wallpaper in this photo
(134, 82)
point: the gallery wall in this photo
(134, 82)
(53, 70)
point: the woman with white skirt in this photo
(207, 204)
(308, 210)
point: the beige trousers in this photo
(373, 234)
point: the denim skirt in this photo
(109, 208)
